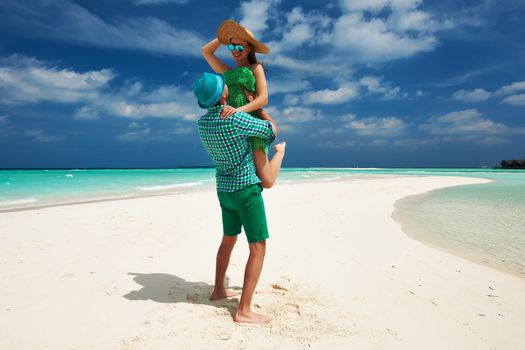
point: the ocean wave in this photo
(18, 201)
(330, 178)
(69, 175)
(169, 187)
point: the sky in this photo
(352, 83)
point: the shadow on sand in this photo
(166, 288)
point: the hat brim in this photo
(213, 101)
(231, 29)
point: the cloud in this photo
(493, 141)
(157, 2)
(383, 30)
(28, 80)
(295, 114)
(67, 21)
(465, 122)
(516, 100)
(373, 40)
(40, 136)
(320, 66)
(376, 85)
(285, 84)
(414, 142)
(133, 135)
(512, 88)
(25, 80)
(375, 126)
(254, 15)
(476, 95)
(86, 113)
(301, 29)
(330, 97)
(331, 144)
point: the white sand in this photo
(136, 274)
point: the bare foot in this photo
(251, 317)
(223, 294)
(280, 147)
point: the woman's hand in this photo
(228, 111)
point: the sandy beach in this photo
(339, 274)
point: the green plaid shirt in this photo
(226, 141)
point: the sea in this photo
(484, 223)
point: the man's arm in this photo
(248, 126)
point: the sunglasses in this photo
(238, 47)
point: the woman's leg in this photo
(268, 170)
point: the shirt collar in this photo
(215, 109)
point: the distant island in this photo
(513, 164)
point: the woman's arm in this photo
(215, 63)
(262, 91)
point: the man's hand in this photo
(228, 111)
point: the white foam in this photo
(69, 175)
(19, 201)
(330, 178)
(169, 187)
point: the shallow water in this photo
(484, 223)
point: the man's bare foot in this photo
(251, 317)
(280, 147)
(223, 294)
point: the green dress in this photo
(236, 79)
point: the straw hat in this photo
(231, 29)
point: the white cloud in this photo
(476, 95)
(294, 114)
(376, 85)
(493, 141)
(86, 113)
(512, 88)
(255, 14)
(516, 100)
(320, 66)
(285, 84)
(291, 99)
(375, 126)
(372, 40)
(40, 136)
(25, 80)
(67, 21)
(331, 144)
(301, 29)
(157, 2)
(413, 142)
(466, 122)
(382, 30)
(327, 96)
(30, 81)
(134, 135)
(377, 5)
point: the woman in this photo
(247, 89)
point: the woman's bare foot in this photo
(223, 294)
(251, 317)
(280, 147)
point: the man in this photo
(238, 187)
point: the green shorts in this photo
(244, 208)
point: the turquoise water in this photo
(27, 188)
(485, 222)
